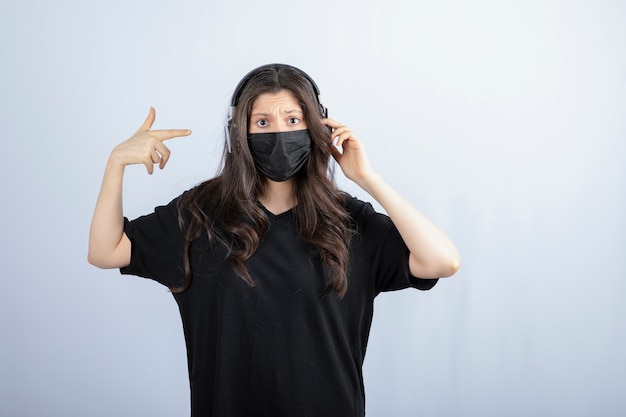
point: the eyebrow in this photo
(269, 114)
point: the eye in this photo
(293, 120)
(262, 123)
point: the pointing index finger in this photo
(166, 134)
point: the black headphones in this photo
(239, 89)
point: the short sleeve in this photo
(157, 246)
(387, 253)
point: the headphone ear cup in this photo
(229, 121)
(227, 138)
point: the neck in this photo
(278, 197)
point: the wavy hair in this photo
(225, 208)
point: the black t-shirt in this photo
(279, 348)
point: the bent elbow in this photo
(452, 267)
(108, 260)
(94, 260)
(99, 261)
(442, 267)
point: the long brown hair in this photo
(226, 209)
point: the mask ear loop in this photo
(229, 119)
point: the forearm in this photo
(107, 225)
(433, 255)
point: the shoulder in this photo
(356, 207)
(366, 219)
(170, 211)
(163, 216)
(198, 198)
(360, 211)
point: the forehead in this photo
(283, 99)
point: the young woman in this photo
(274, 269)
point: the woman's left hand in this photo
(433, 255)
(349, 152)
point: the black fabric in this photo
(280, 155)
(278, 348)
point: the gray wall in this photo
(503, 121)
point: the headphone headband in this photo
(239, 89)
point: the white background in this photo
(504, 122)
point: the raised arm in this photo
(108, 245)
(433, 255)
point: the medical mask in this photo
(280, 155)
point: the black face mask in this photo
(280, 155)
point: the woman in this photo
(274, 269)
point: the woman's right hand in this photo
(146, 146)
(109, 247)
